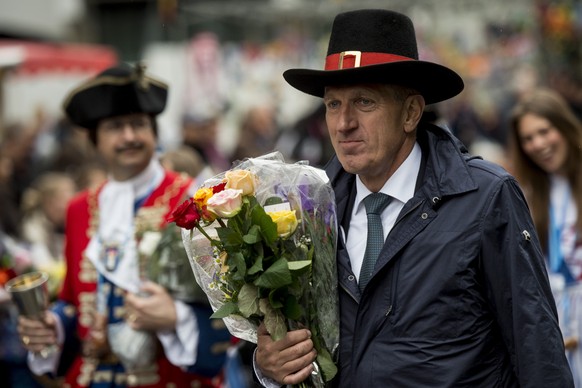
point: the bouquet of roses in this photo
(261, 239)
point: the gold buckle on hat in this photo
(357, 58)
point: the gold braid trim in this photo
(93, 204)
(171, 191)
(87, 271)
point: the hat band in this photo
(352, 59)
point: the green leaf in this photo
(253, 236)
(326, 365)
(237, 260)
(275, 299)
(235, 223)
(275, 276)
(248, 300)
(258, 250)
(257, 266)
(225, 310)
(292, 309)
(229, 237)
(274, 320)
(265, 223)
(273, 201)
(298, 265)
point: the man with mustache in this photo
(111, 326)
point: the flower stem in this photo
(201, 229)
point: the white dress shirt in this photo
(400, 187)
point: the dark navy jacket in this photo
(459, 296)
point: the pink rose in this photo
(225, 204)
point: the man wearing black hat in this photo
(116, 327)
(441, 277)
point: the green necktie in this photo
(375, 203)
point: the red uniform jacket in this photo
(78, 296)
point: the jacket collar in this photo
(447, 171)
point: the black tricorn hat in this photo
(119, 90)
(376, 46)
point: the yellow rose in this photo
(241, 180)
(286, 222)
(202, 195)
(201, 198)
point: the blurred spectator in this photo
(307, 139)
(465, 121)
(201, 133)
(569, 86)
(187, 160)
(546, 155)
(90, 175)
(76, 156)
(524, 81)
(44, 206)
(15, 259)
(490, 150)
(9, 212)
(258, 133)
(486, 148)
(16, 154)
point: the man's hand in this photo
(287, 361)
(154, 312)
(38, 335)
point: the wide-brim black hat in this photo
(376, 46)
(119, 90)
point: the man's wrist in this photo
(263, 380)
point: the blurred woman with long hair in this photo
(546, 158)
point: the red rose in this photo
(186, 215)
(218, 188)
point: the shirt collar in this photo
(399, 186)
(145, 181)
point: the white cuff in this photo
(265, 381)
(180, 345)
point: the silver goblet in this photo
(29, 293)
